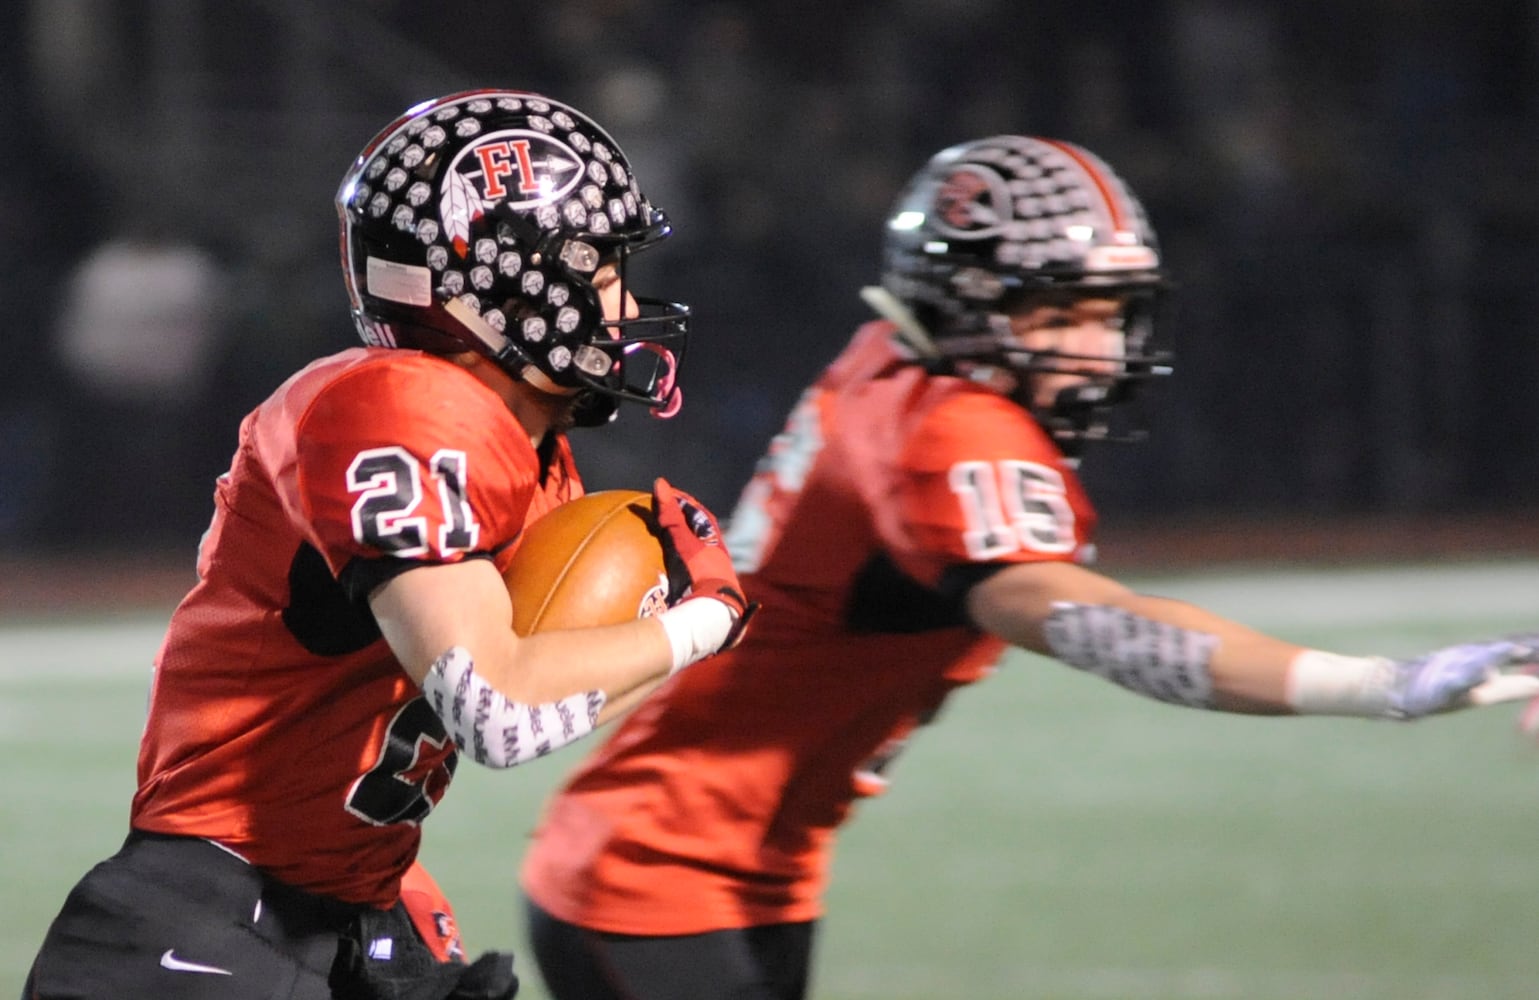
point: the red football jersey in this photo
(280, 725)
(715, 804)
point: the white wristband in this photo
(1321, 683)
(696, 628)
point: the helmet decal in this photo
(1049, 204)
(1123, 247)
(519, 168)
(1113, 198)
(971, 203)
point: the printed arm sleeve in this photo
(430, 611)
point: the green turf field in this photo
(1051, 838)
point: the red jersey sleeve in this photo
(980, 481)
(411, 461)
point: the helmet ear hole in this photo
(478, 222)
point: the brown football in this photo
(591, 561)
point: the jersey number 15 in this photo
(1011, 505)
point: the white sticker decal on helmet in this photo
(405, 283)
(1121, 258)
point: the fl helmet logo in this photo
(519, 168)
(972, 203)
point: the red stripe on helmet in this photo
(1103, 184)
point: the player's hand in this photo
(411, 971)
(489, 977)
(1464, 676)
(698, 563)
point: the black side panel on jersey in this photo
(321, 615)
(883, 599)
(957, 580)
(361, 577)
(330, 616)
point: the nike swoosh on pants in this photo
(170, 961)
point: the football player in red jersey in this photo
(348, 638)
(920, 512)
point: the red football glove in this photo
(698, 563)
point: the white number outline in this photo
(389, 482)
(375, 523)
(460, 531)
(1012, 505)
(1039, 507)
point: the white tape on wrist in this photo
(494, 730)
(696, 628)
(1321, 683)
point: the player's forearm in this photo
(1222, 664)
(1161, 647)
(629, 656)
(1249, 670)
(616, 659)
(525, 698)
(426, 612)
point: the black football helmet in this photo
(986, 226)
(478, 221)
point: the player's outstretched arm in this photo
(1183, 654)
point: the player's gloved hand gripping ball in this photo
(698, 562)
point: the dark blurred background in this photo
(1346, 193)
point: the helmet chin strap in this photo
(471, 320)
(500, 345)
(1082, 413)
(911, 333)
(542, 382)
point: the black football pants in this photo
(752, 963)
(176, 918)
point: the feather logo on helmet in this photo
(519, 168)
